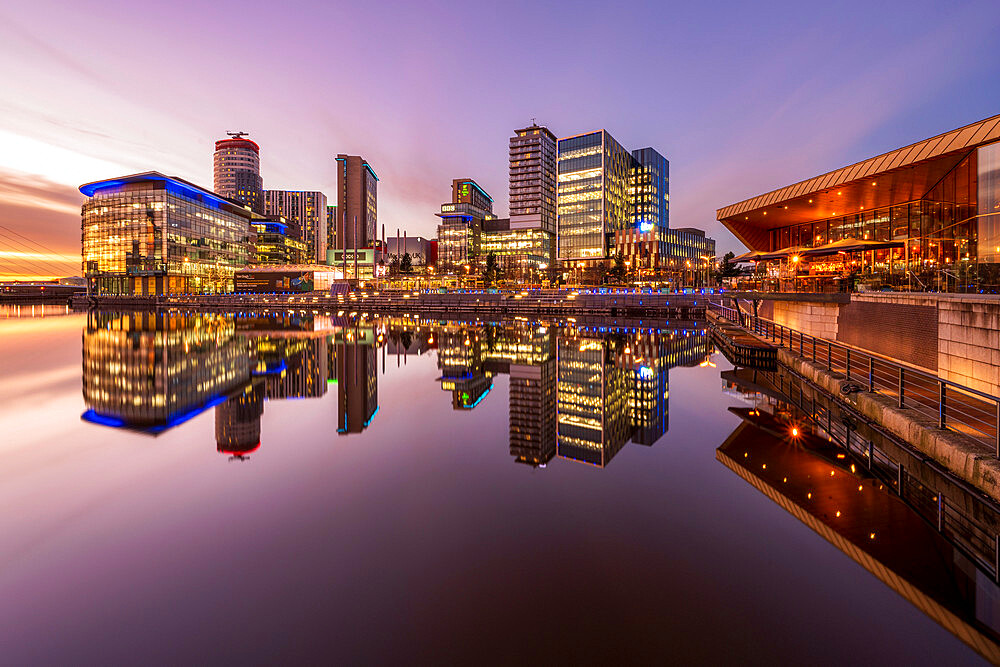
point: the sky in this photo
(741, 97)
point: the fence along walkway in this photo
(954, 407)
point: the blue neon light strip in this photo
(173, 185)
(483, 192)
(272, 371)
(365, 425)
(478, 400)
(173, 420)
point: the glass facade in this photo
(592, 419)
(988, 201)
(459, 239)
(604, 189)
(580, 199)
(158, 235)
(272, 245)
(943, 245)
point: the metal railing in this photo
(953, 406)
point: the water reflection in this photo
(576, 393)
(834, 494)
(150, 372)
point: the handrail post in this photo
(941, 407)
(814, 349)
(871, 373)
(998, 429)
(940, 512)
(901, 397)
(829, 356)
(848, 363)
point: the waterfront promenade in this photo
(663, 305)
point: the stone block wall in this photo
(954, 336)
(969, 350)
(813, 318)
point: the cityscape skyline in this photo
(764, 108)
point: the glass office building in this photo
(154, 234)
(461, 230)
(521, 252)
(604, 189)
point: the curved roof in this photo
(903, 174)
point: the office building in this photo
(272, 242)
(925, 216)
(523, 253)
(461, 228)
(154, 234)
(237, 171)
(604, 190)
(357, 216)
(306, 212)
(533, 179)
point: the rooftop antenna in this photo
(238, 135)
(533, 123)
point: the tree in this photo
(406, 264)
(618, 267)
(393, 265)
(492, 269)
(728, 268)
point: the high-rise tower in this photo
(533, 179)
(237, 170)
(357, 215)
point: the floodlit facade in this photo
(272, 243)
(155, 234)
(604, 189)
(523, 253)
(461, 229)
(925, 216)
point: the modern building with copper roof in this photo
(935, 203)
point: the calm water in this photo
(214, 488)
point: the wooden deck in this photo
(740, 347)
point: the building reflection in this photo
(149, 372)
(576, 393)
(356, 375)
(152, 371)
(237, 421)
(817, 483)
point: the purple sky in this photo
(741, 97)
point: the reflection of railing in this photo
(973, 533)
(964, 410)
